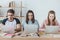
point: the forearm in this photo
(18, 28)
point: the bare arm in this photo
(18, 28)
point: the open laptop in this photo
(31, 28)
(51, 29)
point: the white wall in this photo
(40, 7)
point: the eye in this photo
(50, 16)
(10, 15)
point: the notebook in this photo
(9, 35)
(6, 35)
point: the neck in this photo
(10, 20)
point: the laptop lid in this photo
(30, 28)
(51, 29)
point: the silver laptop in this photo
(51, 29)
(31, 28)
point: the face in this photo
(10, 16)
(30, 16)
(51, 16)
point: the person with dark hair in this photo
(30, 20)
(11, 24)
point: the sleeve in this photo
(23, 23)
(37, 23)
(3, 22)
(17, 21)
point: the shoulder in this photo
(17, 20)
(45, 21)
(36, 21)
(5, 19)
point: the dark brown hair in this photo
(27, 19)
(11, 11)
(53, 21)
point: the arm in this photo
(38, 25)
(43, 26)
(3, 22)
(18, 26)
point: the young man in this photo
(11, 24)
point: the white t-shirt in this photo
(10, 26)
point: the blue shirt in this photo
(30, 23)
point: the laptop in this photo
(31, 28)
(51, 29)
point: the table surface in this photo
(42, 37)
